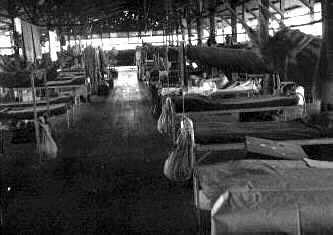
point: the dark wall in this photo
(126, 58)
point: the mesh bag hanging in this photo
(178, 166)
(165, 121)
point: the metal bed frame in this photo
(204, 149)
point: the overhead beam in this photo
(307, 3)
(312, 2)
(265, 7)
(225, 20)
(253, 35)
(251, 12)
(278, 10)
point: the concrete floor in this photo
(108, 178)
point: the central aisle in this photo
(117, 136)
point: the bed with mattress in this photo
(267, 197)
(237, 187)
(43, 102)
(67, 81)
(225, 109)
(217, 132)
(199, 103)
(236, 89)
(27, 112)
(70, 83)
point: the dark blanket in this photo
(197, 103)
(210, 132)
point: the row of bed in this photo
(21, 104)
(62, 93)
(249, 177)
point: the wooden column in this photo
(189, 30)
(212, 29)
(199, 31)
(183, 25)
(15, 36)
(234, 24)
(327, 99)
(263, 21)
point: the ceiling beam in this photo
(225, 20)
(253, 35)
(270, 14)
(278, 10)
(251, 12)
(307, 3)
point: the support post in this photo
(189, 31)
(327, 99)
(36, 122)
(265, 8)
(182, 23)
(263, 21)
(277, 9)
(182, 64)
(199, 31)
(47, 93)
(312, 13)
(212, 28)
(234, 24)
(253, 35)
(282, 8)
(306, 3)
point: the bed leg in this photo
(197, 202)
(196, 191)
(67, 116)
(78, 105)
(2, 141)
(73, 115)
